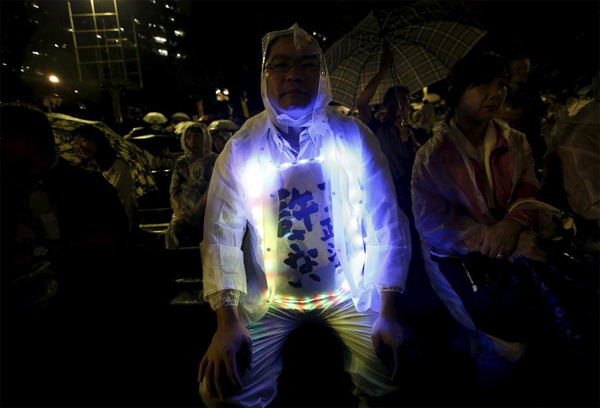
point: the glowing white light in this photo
(302, 161)
(35, 5)
(164, 53)
(98, 36)
(179, 33)
(225, 91)
(178, 55)
(35, 53)
(54, 79)
(218, 91)
(76, 91)
(257, 214)
(121, 28)
(135, 20)
(56, 45)
(160, 40)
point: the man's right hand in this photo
(229, 353)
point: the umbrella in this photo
(426, 39)
(155, 118)
(136, 159)
(223, 124)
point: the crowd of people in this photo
(307, 214)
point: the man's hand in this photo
(229, 353)
(528, 246)
(388, 338)
(501, 239)
(389, 334)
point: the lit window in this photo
(160, 40)
(135, 20)
(35, 5)
(35, 53)
(179, 33)
(164, 53)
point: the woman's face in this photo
(86, 148)
(193, 139)
(482, 102)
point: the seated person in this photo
(465, 182)
(52, 211)
(572, 170)
(189, 185)
(95, 149)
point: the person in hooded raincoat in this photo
(312, 192)
(189, 185)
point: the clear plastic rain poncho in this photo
(189, 183)
(577, 149)
(453, 202)
(371, 234)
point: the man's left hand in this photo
(388, 337)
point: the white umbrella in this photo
(155, 118)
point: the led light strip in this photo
(323, 300)
(284, 166)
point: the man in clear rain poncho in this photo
(311, 190)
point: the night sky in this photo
(224, 39)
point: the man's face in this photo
(292, 91)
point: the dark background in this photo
(223, 44)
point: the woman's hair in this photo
(105, 154)
(473, 70)
(182, 127)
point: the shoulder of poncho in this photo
(513, 136)
(337, 119)
(439, 140)
(252, 127)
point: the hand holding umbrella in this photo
(362, 103)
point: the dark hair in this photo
(105, 154)
(473, 70)
(23, 121)
(390, 94)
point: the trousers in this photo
(369, 375)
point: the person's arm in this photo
(224, 276)
(388, 249)
(230, 352)
(389, 331)
(437, 221)
(362, 103)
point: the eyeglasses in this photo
(285, 65)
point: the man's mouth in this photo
(295, 92)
